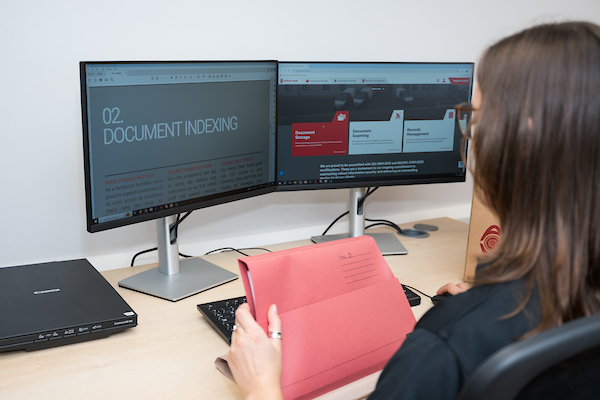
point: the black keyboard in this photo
(221, 314)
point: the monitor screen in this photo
(348, 125)
(162, 138)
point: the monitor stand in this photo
(388, 243)
(176, 279)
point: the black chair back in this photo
(559, 361)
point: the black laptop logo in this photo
(46, 291)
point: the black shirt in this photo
(453, 338)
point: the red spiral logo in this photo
(490, 238)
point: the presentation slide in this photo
(377, 137)
(160, 145)
(430, 136)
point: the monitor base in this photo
(388, 244)
(195, 275)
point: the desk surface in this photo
(170, 354)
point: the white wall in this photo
(41, 42)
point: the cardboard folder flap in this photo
(247, 288)
(298, 277)
(341, 339)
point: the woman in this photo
(537, 156)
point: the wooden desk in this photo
(170, 354)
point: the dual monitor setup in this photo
(168, 137)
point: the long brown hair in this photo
(537, 155)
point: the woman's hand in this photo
(254, 358)
(453, 289)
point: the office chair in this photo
(557, 363)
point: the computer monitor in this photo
(357, 125)
(162, 138)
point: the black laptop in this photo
(57, 303)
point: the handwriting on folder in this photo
(343, 312)
(357, 267)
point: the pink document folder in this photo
(343, 312)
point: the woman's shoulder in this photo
(482, 308)
(476, 323)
